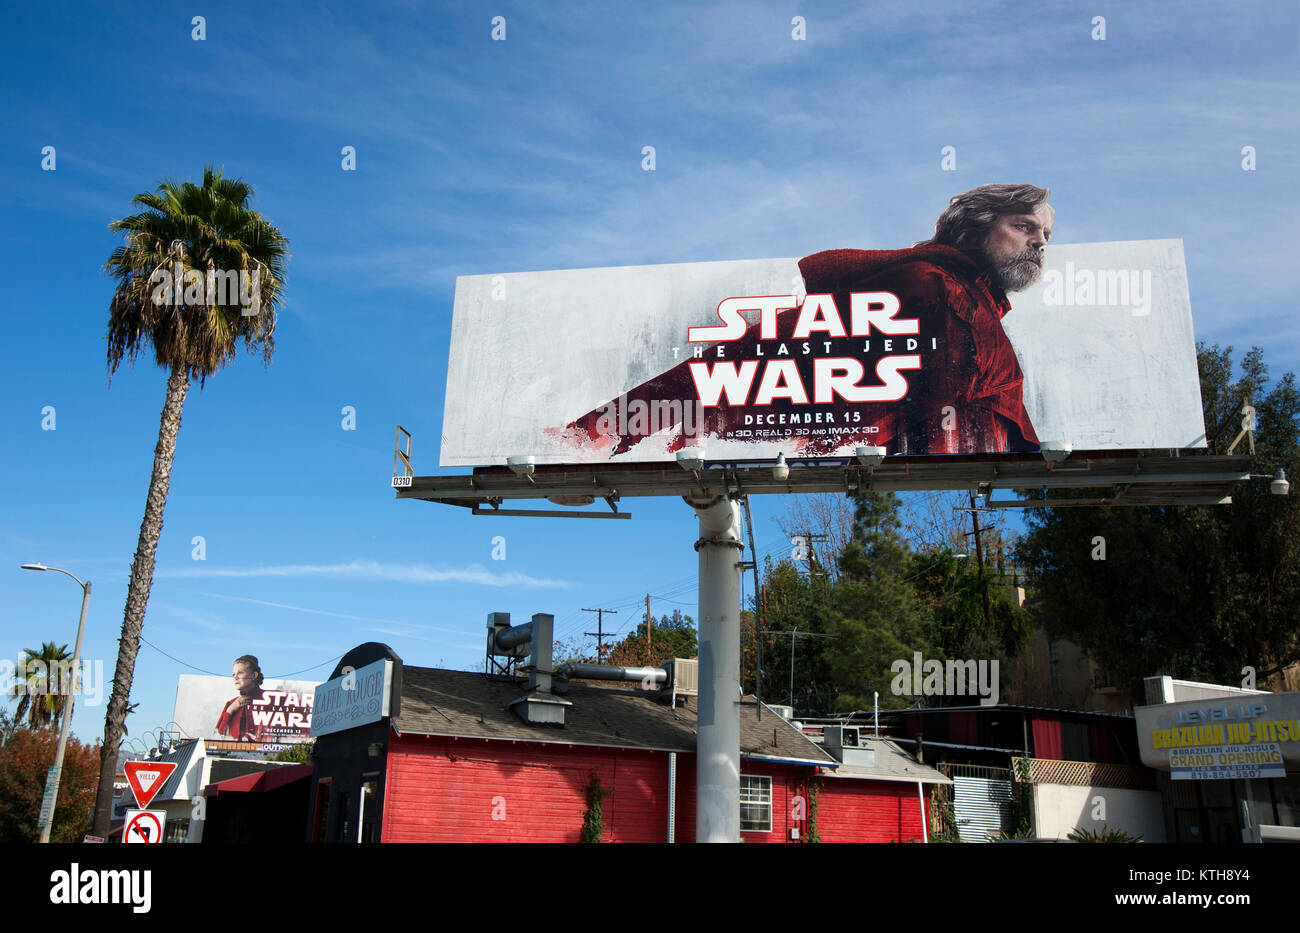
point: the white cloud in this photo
(371, 571)
(325, 612)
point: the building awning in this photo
(260, 782)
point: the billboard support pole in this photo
(717, 759)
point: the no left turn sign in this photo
(144, 826)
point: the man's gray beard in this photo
(1019, 272)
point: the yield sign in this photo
(147, 778)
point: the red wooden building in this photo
(452, 762)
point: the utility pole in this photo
(600, 631)
(759, 636)
(649, 630)
(979, 556)
(813, 563)
(794, 635)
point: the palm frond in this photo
(189, 229)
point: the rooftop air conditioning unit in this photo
(848, 746)
(683, 678)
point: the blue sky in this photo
(478, 156)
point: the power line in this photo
(600, 631)
(203, 670)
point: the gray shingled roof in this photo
(472, 705)
(184, 752)
(892, 764)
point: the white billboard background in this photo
(200, 700)
(534, 351)
(1110, 375)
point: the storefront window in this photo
(1286, 793)
(1261, 802)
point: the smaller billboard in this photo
(1253, 736)
(245, 707)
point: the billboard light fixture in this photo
(870, 455)
(522, 466)
(1055, 451)
(1279, 486)
(780, 472)
(691, 459)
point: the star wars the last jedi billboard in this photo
(990, 338)
(261, 712)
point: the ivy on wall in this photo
(592, 823)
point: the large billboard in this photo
(251, 709)
(995, 347)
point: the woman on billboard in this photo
(236, 717)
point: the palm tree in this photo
(41, 701)
(174, 293)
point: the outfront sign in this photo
(1252, 736)
(357, 698)
(921, 351)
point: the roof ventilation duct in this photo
(533, 640)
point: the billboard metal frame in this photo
(1115, 478)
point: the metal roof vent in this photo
(847, 745)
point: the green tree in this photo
(674, 637)
(952, 591)
(798, 603)
(877, 617)
(25, 759)
(43, 693)
(885, 602)
(1193, 591)
(298, 753)
(193, 237)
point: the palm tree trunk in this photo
(137, 594)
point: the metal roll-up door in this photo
(982, 806)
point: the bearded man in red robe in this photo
(964, 398)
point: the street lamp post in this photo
(56, 771)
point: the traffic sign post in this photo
(51, 794)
